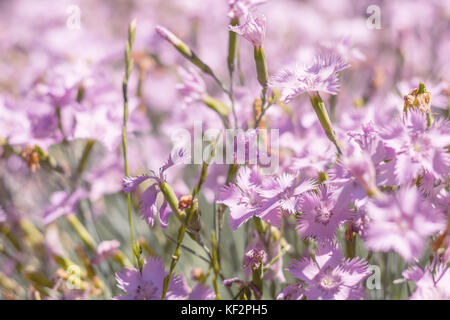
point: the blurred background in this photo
(66, 58)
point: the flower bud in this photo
(261, 66)
(183, 48)
(216, 105)
(324, 119)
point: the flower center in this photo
(329, 281)
(250, 198)
(322, 215)
(147, 291)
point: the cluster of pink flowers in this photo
(89, 118)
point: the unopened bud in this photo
(215, 104)
(261, 66)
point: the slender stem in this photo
(192, 251)
(232, 54)
(81, 231)
(128, 69)
(215, 263)
(181, 233)
(191, 212)
(176, 255)
(263, 112)
(277, 257)
(84, 157)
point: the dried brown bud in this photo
(185, 202)
(31, 157)
(257, 111)
(418, 99)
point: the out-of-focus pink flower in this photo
(431, 284)
(61, 84)
(241, 8)
(419, 148)
(105, 249)
(193, 87)
(63, 203)
(402, 223)
(321, 75)
(361, 167)
(254, 29)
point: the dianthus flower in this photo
(320, 76)
(329, 276)
(402, 223)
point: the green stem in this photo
(81, 231)
(191, 212)
(232, 54)
(277, 257)
(215, 263)
(128, 69)
(257, 280)
(84, 157)
(177, 254)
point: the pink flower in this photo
(241, 8)
(366, 165)
(430, 284)
(402, 223)
(254, 29)
(293, 292)
(243, 198)
(321, 214)
(201, 292)
(359, 164)
(282, 194)
(419, 148)
(257, 253)
(148, 284)
(321, 75)
(63, 203)
(330, 277)
(193, 87)
(105, 249)
(148, 206)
